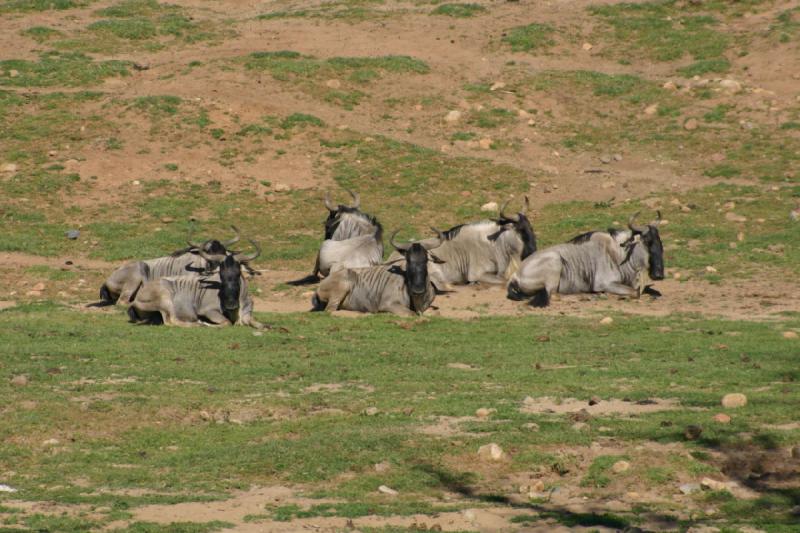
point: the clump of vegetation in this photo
(531, 37)
(41, 5)
(60, 69)
(458, 10)
(41, 34)
(718, 65)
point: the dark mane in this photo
(334, 219)
(451, 233)
(584, 237)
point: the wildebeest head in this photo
(651, 240)
(211, 247)
(230, 274)
(336, 211)
(416, 255)
(522, 226)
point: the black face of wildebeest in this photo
(652, 240)
(416, 269)
(524, 229)
(230, 274)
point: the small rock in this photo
(491, 452)
(141, 66)
(718, 157)
(605, 159)
(50, 442)
(734, 400)
(594, 400)
(794, 214)
(13, 73)
(333, 84)
(418, 107)
(531, 122)
(690, 124)
(722, 418)
(617, 157)
(383, 466)
(790, 335)
(497, 85)
(711, 270)
(281, 187)
(485, 143)
(483, 412)
(19, 381)
(73, 234)
(167, 220)
(712, 484)
(531, 426)
(489, 206)
(136, 182)
(371, 411)
(620, 467)
(651, 109)
(38, 287)
(692, 432)
(6, 488)
(587, 46)
(670, 86)
(732, 86)
(730, 216)
(453, 116)
(387, 490)
(729, 206)
(9, 167)
(607, 320)
(521, 113)
(689, 488)
(469, 515)
(52, 153)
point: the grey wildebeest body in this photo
(221, 298)
(488, 251)
(353, 239)
(382, 288)
(120, 286)
(611, 261)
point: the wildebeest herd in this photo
(205, 283)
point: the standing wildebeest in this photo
(599, 261)
(221, 298)
(382, 288)
(353, 239)
(119, 287)
(488, 251)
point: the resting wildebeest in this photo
(353, 239)
(488, 251)
(599, 261)
(220, 298)
(383, 288)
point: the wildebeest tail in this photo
(308, 280)
(135, 292)
(105, 294)
(541, 298)
(514, 292)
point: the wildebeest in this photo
(488, 251)
(386, 288)
(353, 239)
(599, 261)
(221, 298)
(120, 285)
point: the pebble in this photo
(383, 466)
(734, 400)
(7, 488)
(587, 46)
(469, 514)
(605, 159)
(651, 109)
(371, 411)
(497, 85)
(19, 381)
(281, 187)
(141, 66)
(722, 418)
(790, 335)
(712, 484)
(483, 412)
(670, 86)
(690, 125)
(453, 116)
(607, 320)
(38, 287)
(489, 206)
(73, 234)
(731, 85)
(711, 270)
(50, 442)
(9, 167)
(491, 452)
(794, 214)
(333, 84)
(13, 73)
(621, 466)
(387, 490)
(485, 143)
(730, 216)
(689, 488)
(531, 426)
(136, 182)
(617, 157)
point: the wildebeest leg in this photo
(216, 317)
(399, 309)
(649, 290)
(491, 279)
(621, 290)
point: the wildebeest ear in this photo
(436, 259)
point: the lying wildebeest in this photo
(599, 261)
(120, 285)
(382, 288)
(488, 251)
(220, 298)
(353, 239)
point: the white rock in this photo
(483, 412)
(621, 466)
(6, 488)
(51, 442)
(13, 73)
(371, 411)
(731, 85)
(489, 206)
(651, 109)
(711, 270)
(713, 484)
(333, 84)
(453, 116)
(19, 381)
(485, 143)
(790, 335)
(281, 187)
(607, 320)
(733, 400)
(730, 216)
(491, 452)
(587, 46)
(670, 86)
(9, 167)
(387, 490)
(689, 488)
(497, 85)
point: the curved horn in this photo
(440, 237)
(328, 203)
(632, 226)
(515, 218)
(657, 221)
(398, 247)
(211, 258)
(246, 258)
(235, 238)
(527, 204)
(356, 198)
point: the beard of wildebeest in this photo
(416, 275)
(230, 275)
(655, 250)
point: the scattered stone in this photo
(531, 122)
(38, 287)
(19, 381)
(9, 167)
(734, 400)
(617, 157)
(692, 432)
(281, 187)
(469, 514)
(732, 86)
(722, 418)
(141, 66)
(711, 270)
(594, 400)
(521, 113)
(483, 412)
(497, 85)
(52, 153)
(453, 116)
(670, 86)
(531, 426)
(607, 320)
(491, 452)
(485, 143)
(730, 216)
(51, 442)
(383, 466)
(387, 490)
(690, 125)
(620, 467)
(650, 110)
(605, 159)
(790, 335)
(13, 73)
(489, 206)
(689, 488)
(167, 220)
(73, 234)
(587, 46)
(371, 411)
(333, 84)
(712, 484)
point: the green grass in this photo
(718, 65)
(351, 11)
(40, 5)
(458, 10)
(533, 37)
(60, 69)
(41, 34)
